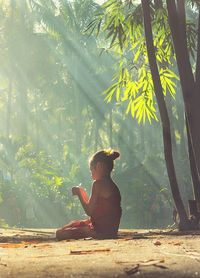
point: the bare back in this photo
(107, 188)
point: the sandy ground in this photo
(136, 253)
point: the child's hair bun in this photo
(106, 156)
(114, 155)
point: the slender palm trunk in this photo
(184, 222)
(193, 167)
(191, 96)
(197, 73)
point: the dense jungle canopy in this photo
(62, 63)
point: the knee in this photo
(62, 234)
(59, 234)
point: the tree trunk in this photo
(193, 168)
(176, 15)
(169, 106)
(184, 221)
(197, 73)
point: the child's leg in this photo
(74, 233)
(63, 233)
(76, 224)
(69, 225)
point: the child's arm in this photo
(80, 192)
(88, 203)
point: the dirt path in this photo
(136, 254)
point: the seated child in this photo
(103, 206)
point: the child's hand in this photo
(75, 190)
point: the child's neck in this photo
(105, 177)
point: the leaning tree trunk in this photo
(193, 167)
(184, 221)
(190, 89)
(197, 73)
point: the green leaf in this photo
(58, 181)
(110, 92)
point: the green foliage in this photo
(39, 175)
(195, 4)
(147, 192)
(53, 116)
(121, 21)
(191, 39)
(40, 167)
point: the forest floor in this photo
(136, 253)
